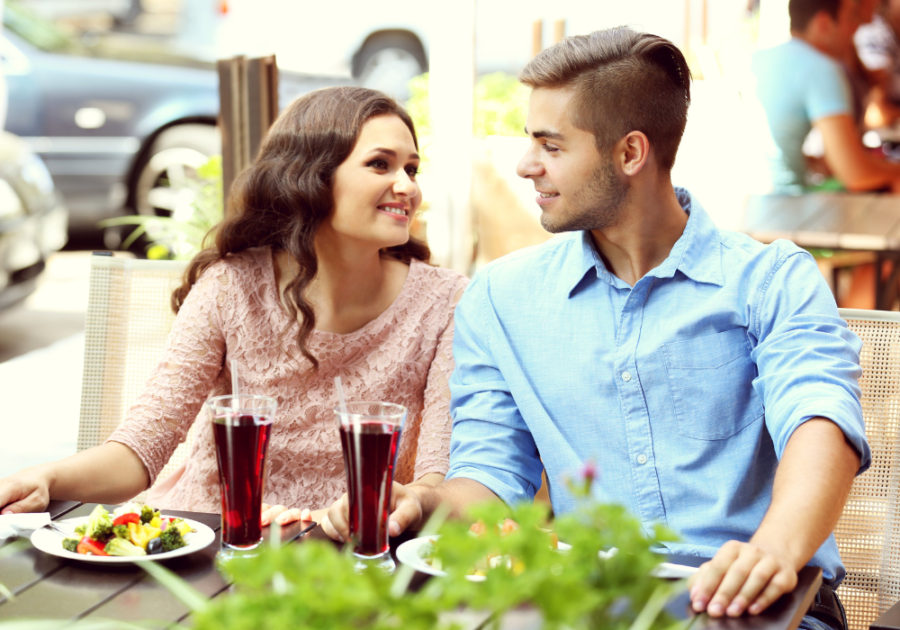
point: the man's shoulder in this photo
(796, 59)
(525, 262)
(740, 251)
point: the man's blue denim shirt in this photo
(683, 389)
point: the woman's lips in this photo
(398, 213)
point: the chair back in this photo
(128, 320)
(868, 532)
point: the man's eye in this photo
(550, 149)
(379, 164)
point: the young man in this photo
(688, 362)
(800, 85)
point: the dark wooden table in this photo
(848, 222)
(49, 587)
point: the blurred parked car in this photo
(119, 122)
(33, 220)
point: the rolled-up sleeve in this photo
(806, 357)
(490, 443)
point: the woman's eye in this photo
(379, 164)
(412, 171)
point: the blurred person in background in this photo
(803, 85)
(860, 78)
(878, 47)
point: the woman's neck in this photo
(352, 286)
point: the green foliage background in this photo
(501, 105)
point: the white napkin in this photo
(21, 524)
(673, 571)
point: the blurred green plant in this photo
(500, 109)
(190, 227)
(314, 585)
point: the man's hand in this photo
(26, 491)
(406, 511)
(741, 577)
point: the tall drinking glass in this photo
(242, 427)
(370, 436)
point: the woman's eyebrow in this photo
(392, 153)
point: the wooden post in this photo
(705, 22)
(248, 97)
(451, 98)
(537, 37)
(559, 31)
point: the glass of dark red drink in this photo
(242, 427)
(370, 436)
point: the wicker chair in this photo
(128, 320)
(868, 533)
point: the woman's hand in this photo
(26, 491)
(283, 515)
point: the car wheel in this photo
(387, 63)
(163, 184)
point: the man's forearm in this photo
(812, 483)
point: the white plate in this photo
(412, 553)
(50, 541)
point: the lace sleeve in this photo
(173, 396)
(433, 452)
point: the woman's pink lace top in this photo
(234, 312)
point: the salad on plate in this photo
(131, 530)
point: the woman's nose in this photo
(406, 185)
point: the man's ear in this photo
(821, 22)
(633, 151)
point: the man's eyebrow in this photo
(553, 135)
(392, 153)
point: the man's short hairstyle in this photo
(622, 81)
(803, 11)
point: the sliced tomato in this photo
(130, 517)
(90, 546)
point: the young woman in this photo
(313, 276)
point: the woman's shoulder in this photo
(247, 266)
(441, 286)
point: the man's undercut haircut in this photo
(803, 11)
(622, 81)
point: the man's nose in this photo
(528, 166)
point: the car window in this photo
(35, 30)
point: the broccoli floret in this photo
(147, 514)
(81, 529)
(121, 547)
(121, 531)
(172, 539)
(71, 544)
(100, 524)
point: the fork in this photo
(57, 528)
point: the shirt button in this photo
(642, 459)
(626, 376)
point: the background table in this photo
(49, 587)
(849, 222)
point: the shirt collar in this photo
(696, 253)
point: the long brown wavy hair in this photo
(283, 198)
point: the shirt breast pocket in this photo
(711, 382)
